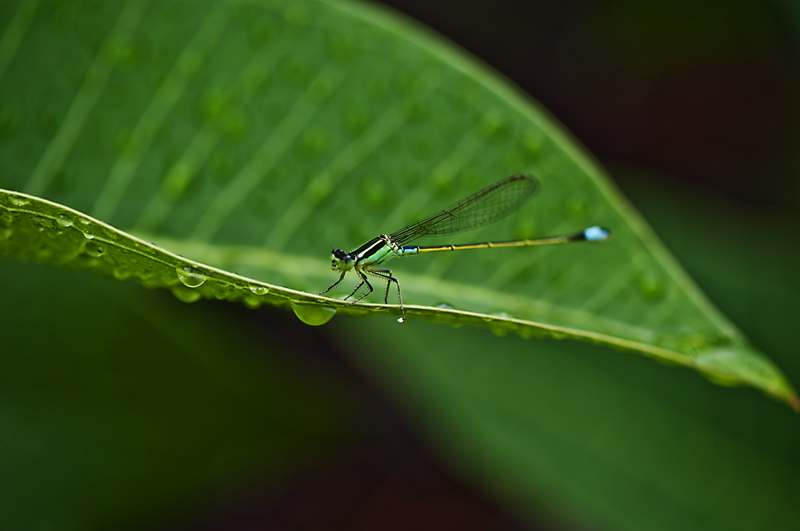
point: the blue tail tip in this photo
(597, 234)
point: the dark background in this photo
(702, 92)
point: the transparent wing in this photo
(481, 208)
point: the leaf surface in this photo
(244, 138)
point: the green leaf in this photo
(248, 136)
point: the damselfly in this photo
(481, 208)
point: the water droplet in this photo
(313, 314)
(527, 332)
(445, 306)
(252, 302)
(94, 250)
(185, 294)
(500, 330)
(64, 220)
(401, 320)
(492, 125)
(221, 292)
(651, 285)
(190, 277)
(85, 221)
(18, 201)
(122, 273)
(258, 290)
(501, 315)
(88, 235)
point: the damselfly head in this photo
(341, 261)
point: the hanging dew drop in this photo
(651, 285)
(186, 295)
(88, 235)
(18, 201)
(94, 250)
(258, 290)
(64, 220)
(313, 314)
(190, 277)
(252, 302)
(122, 273)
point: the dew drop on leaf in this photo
(94, 250)
(252, 302)
(313, 314)
(64, 220)
(652, 287)
(190, 277)
(492, 126)
(122, 273)
(258, 290)
(18, 201)
(186, 295)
